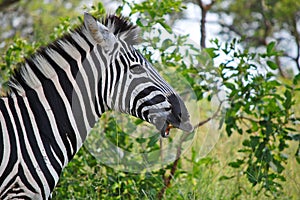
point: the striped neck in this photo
(63, 85)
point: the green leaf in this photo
(295, 137)
(166, 26)
(139, 23)
(166, 44)
(153, 140)
(138, 121)
(221, 122)
(205, 161)
(288, 99)
(276, 166)
(222, 178)
(296, 79)
(211, 52)
(230, 85)
(236, 164)
(272, 65)
(298, 154)
(270, 48)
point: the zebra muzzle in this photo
(165, 126)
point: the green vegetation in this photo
(257, 112)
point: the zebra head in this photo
(134, 86)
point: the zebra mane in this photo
(23, 75)
(123, 28)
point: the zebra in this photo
(59, 93)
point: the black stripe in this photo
(111, 75)
(24, 152)
(12, 140)
(92, 83)
(120, 82)
(33, 143)
(72, 62)
(153, 101)
(78, 47)
(58, 108)
(63, 78)
(105, 96)
(145, 92)
(98, 68)
(1, 143)
(44, 127)
(101, 101)
(70, 93)
(80, 81)
(86, 40)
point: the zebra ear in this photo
(98, 31)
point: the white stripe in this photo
(136, 91)
(50, 115)
(30, 179)
(88, 88)
(61, 93)
(148, 97)
(100, 75)
(18, 152)
(43, 65)
(26, 192)
(96, 78)
(39, 140)
(7, 147)
(29, 76)
(162, 105)
(74, 53)
(61, 62)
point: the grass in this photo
(203, 180)
(197, 177)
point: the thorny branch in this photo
(204, 9)
(167, 179)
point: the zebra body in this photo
(61, 91)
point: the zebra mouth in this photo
(164, 126)
(174, 116)
(166, 130)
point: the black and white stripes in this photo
(61, 91)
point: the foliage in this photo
(263, 21)
(14, 55)
(260, 106)
(256, 104)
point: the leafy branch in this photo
(167, 179)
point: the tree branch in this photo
(167, 180)
(296, 35)
(6, 3)
(204, 9)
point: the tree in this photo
(254, 105)
(262, 22)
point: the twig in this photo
(249, 119)
(167, 180)
(204, 9)
(210, 118)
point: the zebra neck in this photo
(62, 86)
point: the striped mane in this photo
(121, 27)
(23, 75)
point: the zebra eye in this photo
(136, 69)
